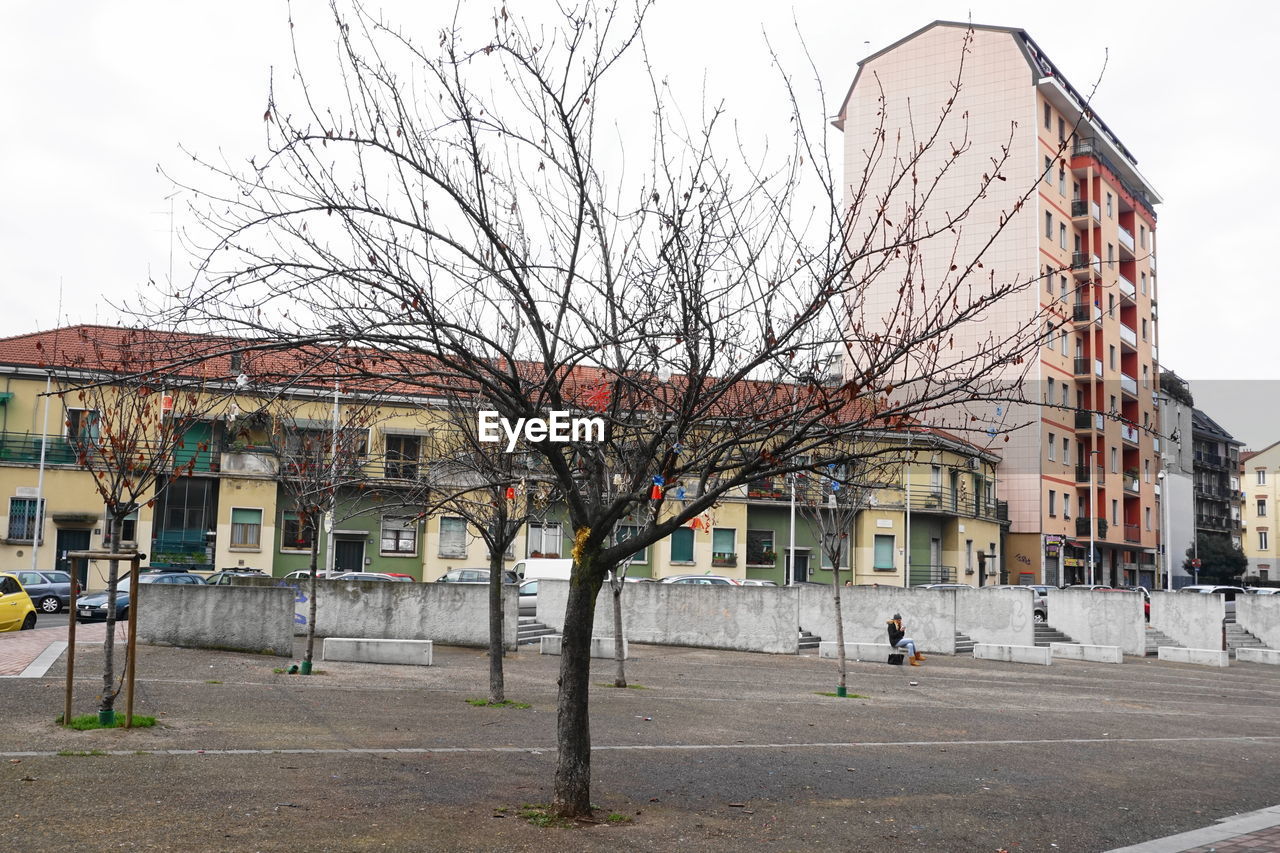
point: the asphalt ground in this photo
(721, 751)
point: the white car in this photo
(706, 580)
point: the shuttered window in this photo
(246, 528)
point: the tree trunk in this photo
(572, 798)
(619, 659)
(496, 689)
(311, 606)
(108, 699)
(840, 664)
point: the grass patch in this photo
(539, 815)
(213, 681)
(630, 686)
(838, 696)
(80, 752)
(505, 703)
(85, 722)
(617, 818)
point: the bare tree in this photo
(136, 426)
(469, 224)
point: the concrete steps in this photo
(808, 642)
(1045, 635)
(1156, 639)
(1239, 638)
(530, 631)
(964, 644)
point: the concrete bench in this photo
(1013, 654)
(1078, 651)
(858, 651)
(1204, 657)
(601, 647)
(1271, 656)
(357, 650)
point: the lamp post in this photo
(1093, 507)
(1166, 535)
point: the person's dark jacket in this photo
(895, 633)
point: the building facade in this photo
(1084, 237)
(1176, 490)
(928, 513)
(1259, 473)
(1217, 479)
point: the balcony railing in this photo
(1081, 262)
(1082, 527)
(1082, 474)
(1126, 239)
(1128, 336)
(1088, 420)
(724, 560)
(1083, 312)
(1129, 433)
(1128, 385)
(1097, 367)
(1081, 366)
(1132, 533)
(1127, 289)
(1089, 147)
(1132, 483)
(1080, 208)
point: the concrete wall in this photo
(1001, 616)
(1191, 620)
(1101, 617)
(216, 617)
(929, 615)
(1259, 615)
(749, 619)
(453, 614)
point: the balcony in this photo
(1086, 421)
(1082, 527)
(1128, 385)
(1081, 262)
(1132, 484)
(1132, 533)
(1127, 290)
(1083, 312)
(1128, 336)
(1126, 243)
(724, 560)
(253, 460)
(1081, 209)
(24, 448)
(1155, 355)
(1155, 443)
(1082, 474)
(1129, 433)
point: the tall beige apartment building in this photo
(1086, 468)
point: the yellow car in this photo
(16, 610)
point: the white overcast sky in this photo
(96, 95)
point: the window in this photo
(1048, 279)
(1262, 476)
(246, 528)
(1048, 116)
(1115, 513)
(884, 554)
(1066, 505)
(1262, 507)
(1066, 446)
(1146, 470)
(1109, 204)
(1053, 503)
(1111, 356)
(968, 556)
(1115, 463)
(9, 586)
(1062, 180)
(628, 531)
(1048, 168)
(724, 546)
(1053, 447)
(1111, 304)
(1066, 395)
(1062, 288)
(1048, 392)
(23, 522)
(760, 550)
(402, 457)
(1062, 341)
(453, 537)
(543, 540)
(1062, 130)
(1048, 225)
(83, 425)
(1113, 404)
(1147, 513)
(399, 535)
(935, 478)
(1143, 278)
(294, 534)
(1144, 328)
(1142, 236)
(1062, 235)
(1262, 540)
(682, 545)
(1111, 255)
(128, 528)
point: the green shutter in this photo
(722, 541)
(884, 552)
(246, 516)
(682, 546)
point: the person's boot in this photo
(915, 661)
(919, 656)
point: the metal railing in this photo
(1089, 420)
(1084, 260)
(1128, 384)
(1127, 289)
(1082, 474)
(1129, 433)
(1082, 527)
(1088, 147)
(1128, 335)
(1126, 238)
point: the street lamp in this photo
(1166, 535)
(1093, 507)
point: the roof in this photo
(1202, 424)
(204, 357)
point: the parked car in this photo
(1265, 590)
(717, 580)
(49, 591)
(367, 576)
(93, 607)
(544, 567)
(17, 613)
(756, 582)
(303, 574)
(945, 586)
(529, 598)
(1039, 601)
(1228, 593)
(474, 576)
(223, 578)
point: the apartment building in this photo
(1084, 480)
(1176, 497)
(1259, 474)
(1217, 479)
(928, 513)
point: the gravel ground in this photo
(721, 751)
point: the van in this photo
(537, 568)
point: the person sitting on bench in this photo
(899, 640)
